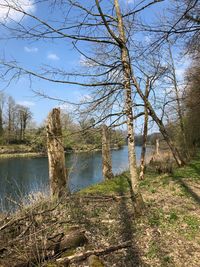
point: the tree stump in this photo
(56, 156)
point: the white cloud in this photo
(31, 49)
(10, 9)
(67, 107)
(52, 56)
(130, 1)
(26, 103)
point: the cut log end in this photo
(94, 261)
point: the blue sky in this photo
(32, 54)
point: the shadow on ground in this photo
(127, 230)
(184, 177)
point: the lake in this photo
(20, 177)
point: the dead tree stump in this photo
(157, 147)
(106, 154)
(56, 156)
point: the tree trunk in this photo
(145, 132)
(144, 144)
(128, 102)
(56, 156)
(106, 155)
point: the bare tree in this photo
(10, 117)
(24, 116)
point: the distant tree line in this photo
(14, 120)
(17, 127)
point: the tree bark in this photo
(128, 100)
(144, 144)
(106, 155)
(56, 156)
(98, 252)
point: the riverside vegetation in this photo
(102, 221)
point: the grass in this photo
(118, 185)
(190, 171)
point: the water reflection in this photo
(22, 176)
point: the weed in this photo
(153, 250)
(173, 217)
(193, 222)
(156, 217)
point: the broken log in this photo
(83, 256)
(53, 247)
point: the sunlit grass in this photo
(117, 185)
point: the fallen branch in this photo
(98, 252)
(55, 245)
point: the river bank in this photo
(23, 151)
(167, 234)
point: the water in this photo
(21, 176)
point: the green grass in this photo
(117, 185)
(190, 171)
(156, 218)
(193, 226)
(120, 184)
